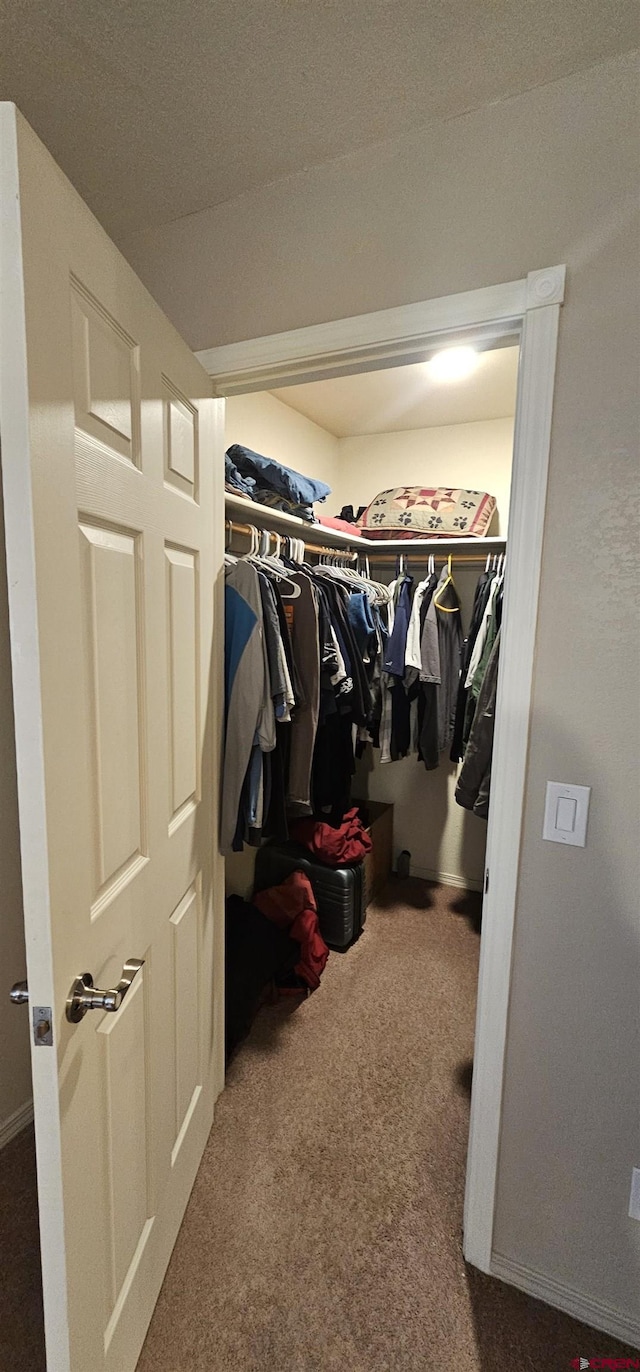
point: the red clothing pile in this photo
(336, 847)
(292, 906)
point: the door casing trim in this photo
(526, 311)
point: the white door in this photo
(112, 472)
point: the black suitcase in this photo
(339, 891)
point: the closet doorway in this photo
(409, 428)
(303, 372)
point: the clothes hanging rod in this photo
(415, 554)
(319, 548)
(421, 555)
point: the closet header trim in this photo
(383, 338)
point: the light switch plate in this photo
(565, 813)
(634, 1198)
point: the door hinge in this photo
(486, 880)
(42, 1026)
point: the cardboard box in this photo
(377, 816)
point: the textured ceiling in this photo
(158, 108)
(406, 398)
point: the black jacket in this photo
(472, 790)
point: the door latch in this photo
(42, 1026)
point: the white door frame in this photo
(528, 309)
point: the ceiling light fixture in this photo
(452, 364)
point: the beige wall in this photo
(476, 456)
(446, 842)
(15, 1061)
(264, 423)
(550, 176)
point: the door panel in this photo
(106, 386)
(113, 620)
(183, 655)
(186, 952)
(112, 471)
(125, 1053)
(180, 441)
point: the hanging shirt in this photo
(245, 688)
(397, 644)
(440, 651)
(474, 782)
(384, 733)
(412, 651)
(361, 621)
(429, 640)
(450, 640)
(428, 732)
(479, 604)
(278, 675)
(302, 613)
(482, 632)
(492, 630)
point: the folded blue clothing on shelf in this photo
(245, 484)
(263, 495)
(266, 472)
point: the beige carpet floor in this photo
(324, 1230)
(21, 1321)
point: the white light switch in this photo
(634, 1198)
(565, 813)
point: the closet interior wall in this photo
(446, 842)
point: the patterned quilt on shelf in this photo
(428, 512)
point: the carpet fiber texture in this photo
(21, 1318)
(324, 1229)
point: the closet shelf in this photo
(264, 517)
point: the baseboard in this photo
(446, 878)
(16, 1123)
(595, 1313)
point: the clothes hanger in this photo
(230, 558)
(259, 554)
(336, 567)
(447, 609)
